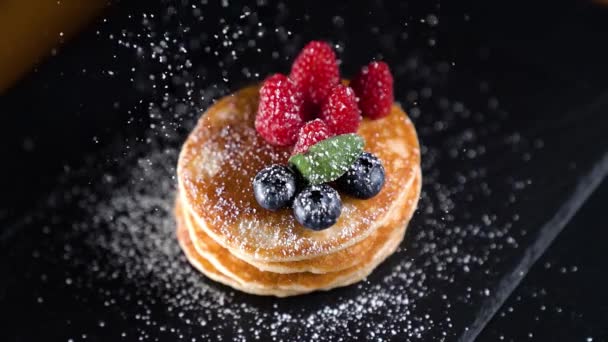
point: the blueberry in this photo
(317, 207)
(274, 187)
(365, 177)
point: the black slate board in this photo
(513, 137)
(563, 294)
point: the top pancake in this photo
(223, 154)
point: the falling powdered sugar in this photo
(114, 235)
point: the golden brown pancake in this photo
(223, 154)
(340, 260)
(381, 242)
(220, 265)
(205, 267)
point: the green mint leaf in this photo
(329, 159)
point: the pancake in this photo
(205, 267)
(220, 265)
(384, 241)
(223, 154)
(343, 259)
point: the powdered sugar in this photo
(122, 231)
(129, 229)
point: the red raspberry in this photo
(340, 111)
(279, 111)
(374, 87)
(313, 132)
(315, 72)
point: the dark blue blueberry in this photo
(274, 187)
(317, 207)
(364, 179)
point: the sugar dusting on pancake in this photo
(357, 254)
(224, 200)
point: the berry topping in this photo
(317, 207)
(279, 112)
(365, 177)
(374, 87)
(274, 187)
(340, 110)
(313, 132)
(315, 72)
(328, 159)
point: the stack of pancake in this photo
(227, 236)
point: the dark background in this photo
(48, 122)
(562, 296)
(546, 58)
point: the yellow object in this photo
(29, 30)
